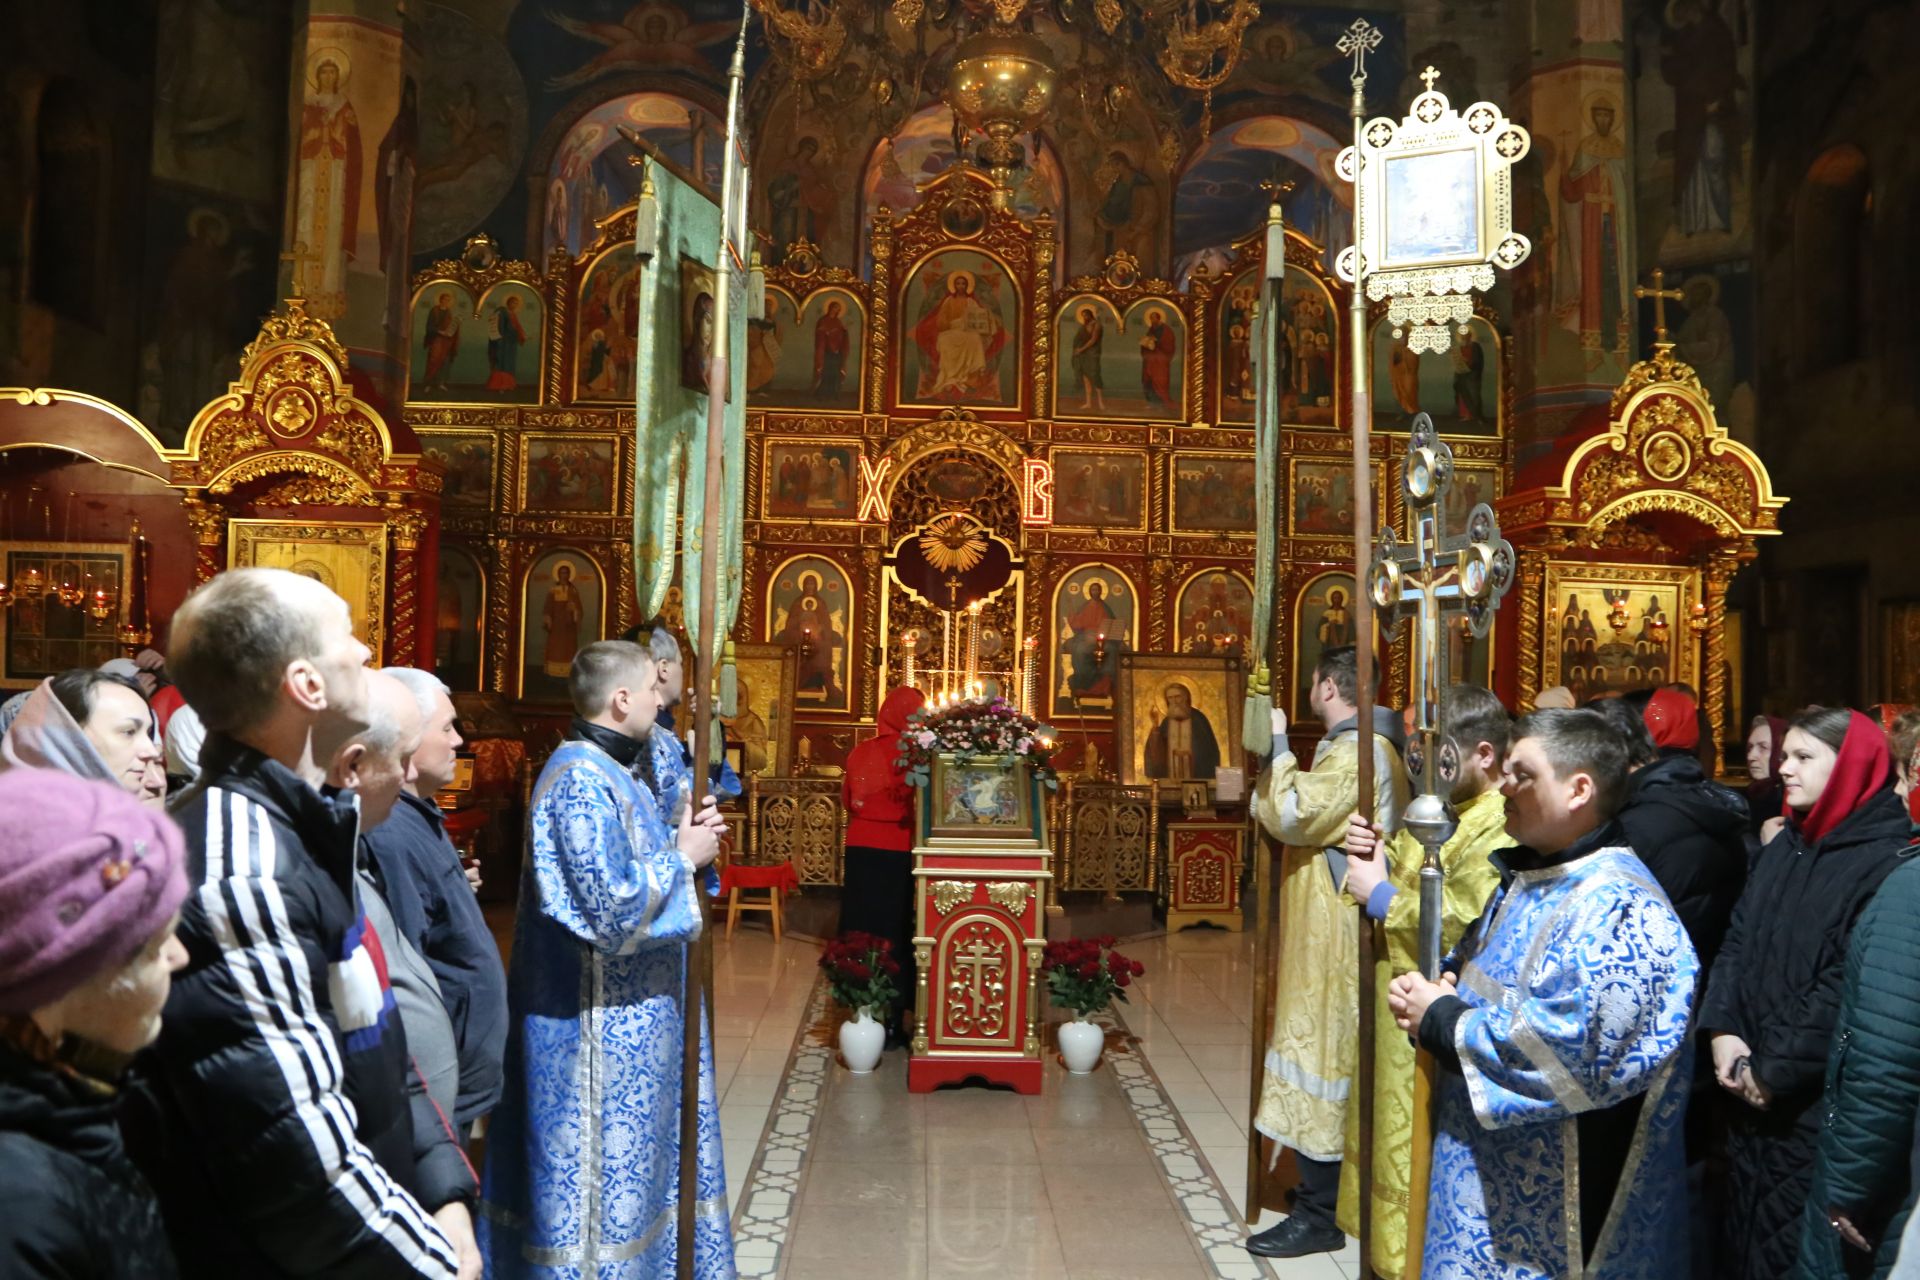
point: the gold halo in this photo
(1599, 98)
(1711, 285)
(956, 277)
(328, 53)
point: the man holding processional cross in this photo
(605, 1155)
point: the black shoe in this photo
(1295, 1238)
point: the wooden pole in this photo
(699, 960)
(1362, 402)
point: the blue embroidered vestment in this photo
(1579, 982)
(583, 1153)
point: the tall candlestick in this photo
(1029, 674)
(946, 657)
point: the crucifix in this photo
(1439, 574)
(1661, 295)
(301, 257)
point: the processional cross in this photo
(1661, 295)
(1439, 574)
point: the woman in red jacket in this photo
(876, 894)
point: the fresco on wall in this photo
(1212, 493)
(1294, 56)
(560, 611)
(468, 460)
(1693, 141)
(923, 150)
(1309, 351)
(1459, 387)
(651, 36)
(962, 313)
(609, 321)
(1114, 366)
(220, 101)
(807, 359)
(473, 127)
(590, 177)
(1712, 329)
(1215, 611)
(810, 608)
(1100, 489)
(1220, 200)
(462, 353)
(1095, 615)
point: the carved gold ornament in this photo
(953, 543)
(1010, 895)
(948, 894)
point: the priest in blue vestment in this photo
(583, 1162)
(1561, 1032)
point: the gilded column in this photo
(1721, 565)
(880, 309)
(209, 524)
(1533, 589)
(403, 601)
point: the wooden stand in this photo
(981, 868)
(1203, 873)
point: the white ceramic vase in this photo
(1080, 1044)
(861, 1042)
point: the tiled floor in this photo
(1100, 1176)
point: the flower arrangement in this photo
(1087, 974)
(860, 970)
(975, 726)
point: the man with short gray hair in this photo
(434, 909)
(272, 1115)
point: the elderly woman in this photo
(1775, 998)
(91, 724)
(91, 883)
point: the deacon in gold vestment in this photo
(1473, 718)
(1310, 1057)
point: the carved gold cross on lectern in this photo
(981, 959)
(301, 257)
(1661, 295)
(1440, 573)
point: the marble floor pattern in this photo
(1134, 1171)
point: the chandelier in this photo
(998, 63)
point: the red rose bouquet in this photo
(982, 726)
(861, 971)
(1087, 974)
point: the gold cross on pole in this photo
(300, 257)
(1660, 295)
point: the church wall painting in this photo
(1219, 198)
(808, 356)
(571, 473)
(1611, 629)
(459, 647)
(1213, 613)
(810, 479)
(1459, 388)
(1212, 493)
(1310, 356)
(562, 609)
(1473, 482)
(590, 178)
(1693, 131)
(348, 558)
(607, 325)
(763, 726)
(1096, 615)
(1712, 329)
(1100, 488)
(1322, 619)
(1320, 497)
(1113, 366)
(810, 608)
(468, 459)
(464, 353)
(1179, 717)
(962, 345)
(473, 126)
(922, 149)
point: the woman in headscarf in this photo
(876, 894)
(1766, 747)
(91, 883)
(91, 724)
(1774, 998)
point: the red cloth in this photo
(1865, 767)
(1673, 719)
(165, 701)
(878, 800)
(783, 877)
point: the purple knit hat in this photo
(87, 876)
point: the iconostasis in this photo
(959, 471)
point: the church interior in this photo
(387, 294)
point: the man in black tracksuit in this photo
(274, 1116)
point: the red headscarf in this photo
(1673, 719)
(1865, 767)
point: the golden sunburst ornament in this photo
(953, 543)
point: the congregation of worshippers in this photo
(256, 1024)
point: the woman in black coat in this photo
(1775, 993)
